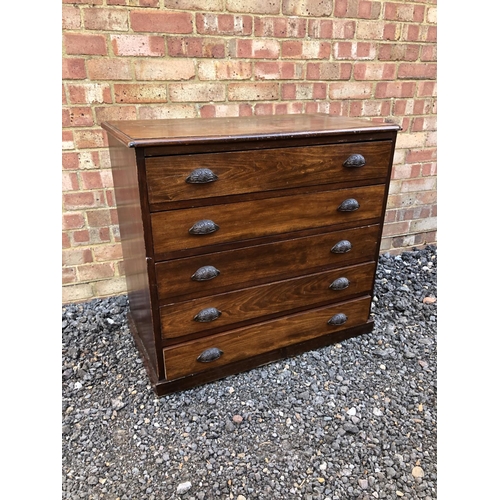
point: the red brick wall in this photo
(137, 59)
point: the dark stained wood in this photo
(264, 170)
(274, 220)
(129, 209)
(247, 220)
(181, 360)
(263, 263)
(151, 133)
(264, 301)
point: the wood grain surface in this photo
(181, 359)
(263, 170)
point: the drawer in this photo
(217, 224)
(184, 359)
(242, 172)
(218, 272)
(219, 311)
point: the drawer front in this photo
(207, 313)
(184, 359)
(230, 173)
(204, 226)
(178, 279)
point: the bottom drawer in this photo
(184, 359)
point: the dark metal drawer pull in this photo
(210, 355)
(349, 205)
(355, 161)
(340, 284)
(205, 273)
(204, 226)
(338, 319)
(342, 246)
(207, 315)
(201, 176)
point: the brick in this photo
(374, 71)
(394, 89)
(69, 181)
(396, 228)
(78, 117)
(77, 293)
(426, 89)
(91, 179)
(167, 111)
(224, 70)
(68, 275)
(369, 108)
(195, 4)
(404, 12)
(223, 24)
(164, 69)
(68, 140)
(108, 252)
(90, 93)
(138, 45)
(137, 93)
(421, 155)
(161, 22)
(109, 69)
(432, 15)
(98, 218)
(254, 49)
(196, 92)
(420, 225)
(327, 28)
(76, 256)
(272, 108)
(370, 30)
(351, 91)
(312, 49)
(418, 71)
(424, 123)
(84, 2)
(105, 19)
(254, 7)
(429, 53)
(369, 9)
(71, 19)
(84, 44)
(405, 171)
(329, 71)
(73, 69)
(354, 50)
(196, 47)
(253, 91)
(399, 52)
(225, 110)
(70, 161)
(83, 200)
(322, 107)
(88, 160)
(92, 272)
(90, 138)
(111, 287)
(66, 241)
(278, 70)
(315, 8)
(413, 141)
(303, 91)
(280, 27)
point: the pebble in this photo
(332, 423)
(184, 487)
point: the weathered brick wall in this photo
(137, 59)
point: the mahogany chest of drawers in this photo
(247, 240)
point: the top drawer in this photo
(232, 173)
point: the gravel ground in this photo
(355, 420)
